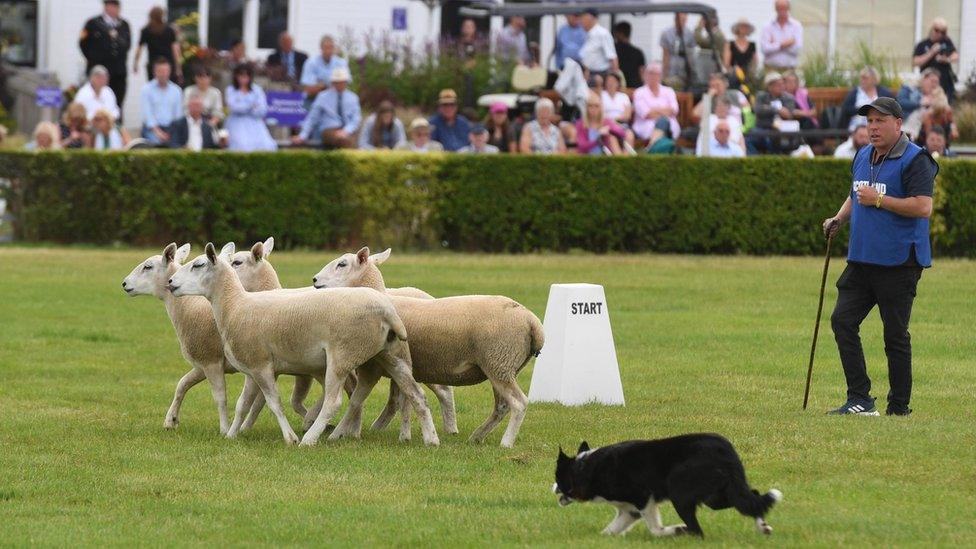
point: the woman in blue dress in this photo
(245, 125)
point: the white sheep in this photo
(458, 341)
(338, 331)
(192, 318)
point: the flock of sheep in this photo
(348, 330)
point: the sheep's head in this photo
(351, 270)
(253, 269)
(197, 277)
(151, 275)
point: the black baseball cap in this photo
(884, 105)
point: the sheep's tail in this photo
(397, 329)
(537, 334)
(748, 501)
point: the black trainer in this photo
(857, 407)
(898, 411)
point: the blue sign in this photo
(286, 108)
(48, 97)
(399, 19)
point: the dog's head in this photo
(567, 484)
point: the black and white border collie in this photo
(637, 476)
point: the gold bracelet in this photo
(877, 203)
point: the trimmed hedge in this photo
(768, 205)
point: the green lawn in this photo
(705, 344)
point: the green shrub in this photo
(767, 205)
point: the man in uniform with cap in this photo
(888, 207)
(105, 41)
(448, 127)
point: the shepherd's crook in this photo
(816, 327)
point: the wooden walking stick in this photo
(816, 327)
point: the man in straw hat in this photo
(419, 138)
(335, 115)
(447, 126)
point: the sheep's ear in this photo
(381, 257)
(584, 447)
(212, 252)
(257, 251)
(268, 246)
(228, 250)
(182, 253)
(363, 254)
(169, 253)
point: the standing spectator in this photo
(74, 127)
(213, 102)
(631, 58)
(858, 140)
(382, 129)
(595, 134)
(105, 136)
(863, 94)
(938, 115)
(248, 105)
(512, 43)
(678, 48)
(721, 144)
(470, 43)
(95, 95)
(500, 131)
(46, 137)
(598, 52)
(542, 136)
(335, 115)
(479, 142)
(287, 62)
(193, 131)
(420, 140)
(711, 47)
(938, 52)
(236, 53)
(740, 54)
(782, 40)
(105, 41)
(655, 107)
(449, 128)
(569, 40)
(935, 143)
(161, 103)
(911, 98)
(161, 42)
(722, 115)
(805, 112)
(616, 104)
(317, 71)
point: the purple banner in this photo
(399, 19)
(286, 108)
(48, 97)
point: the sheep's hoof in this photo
(291, 438)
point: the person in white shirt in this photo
(479, 142)
(95, 95)
(105, 136)
(193, 131)
(723, 114)
(721, 145)
(213, 102)
(858, 139)
(782, 40)
(598, 53)
(616, 104)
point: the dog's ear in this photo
(584, 447)
(562, 455)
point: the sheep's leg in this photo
(517, 401)
(188, 381)
(335, 376)
(497, 415)
(215, 375)
(255, 410)
(399, 371)
(352, 422)
(389, 411)
(404, 405)
(265, 379)
(445, 395)
(245, 402)
(298, 394)
(313, 412)
(350, 384)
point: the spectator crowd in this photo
(747, 97)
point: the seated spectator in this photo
(46, 137)
(616, 104)
(382, 129)
(655, 108)
(317, 71)
(858, 140)
(596, 134)
(161, 103)
(864, 93)
(213, 103)
(247, 103)
(805, 113)
(448, 127)
(936, 144)
(773, 102)
(500, 131)
(335, 115)
(718, 86)
(721, 144)
(105, 136)
(420, 140)
(286, 63)
(911, 98)
(479, 142)
(74, 127)
(95, 95)
(542, 135)
(193, 131)
(723, 113)
(938, 115)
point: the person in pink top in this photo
(596, 134)
(655, 108)
(805, 113)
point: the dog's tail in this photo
(750, 502)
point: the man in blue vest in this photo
(889, 207)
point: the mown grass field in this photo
(705, 344)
